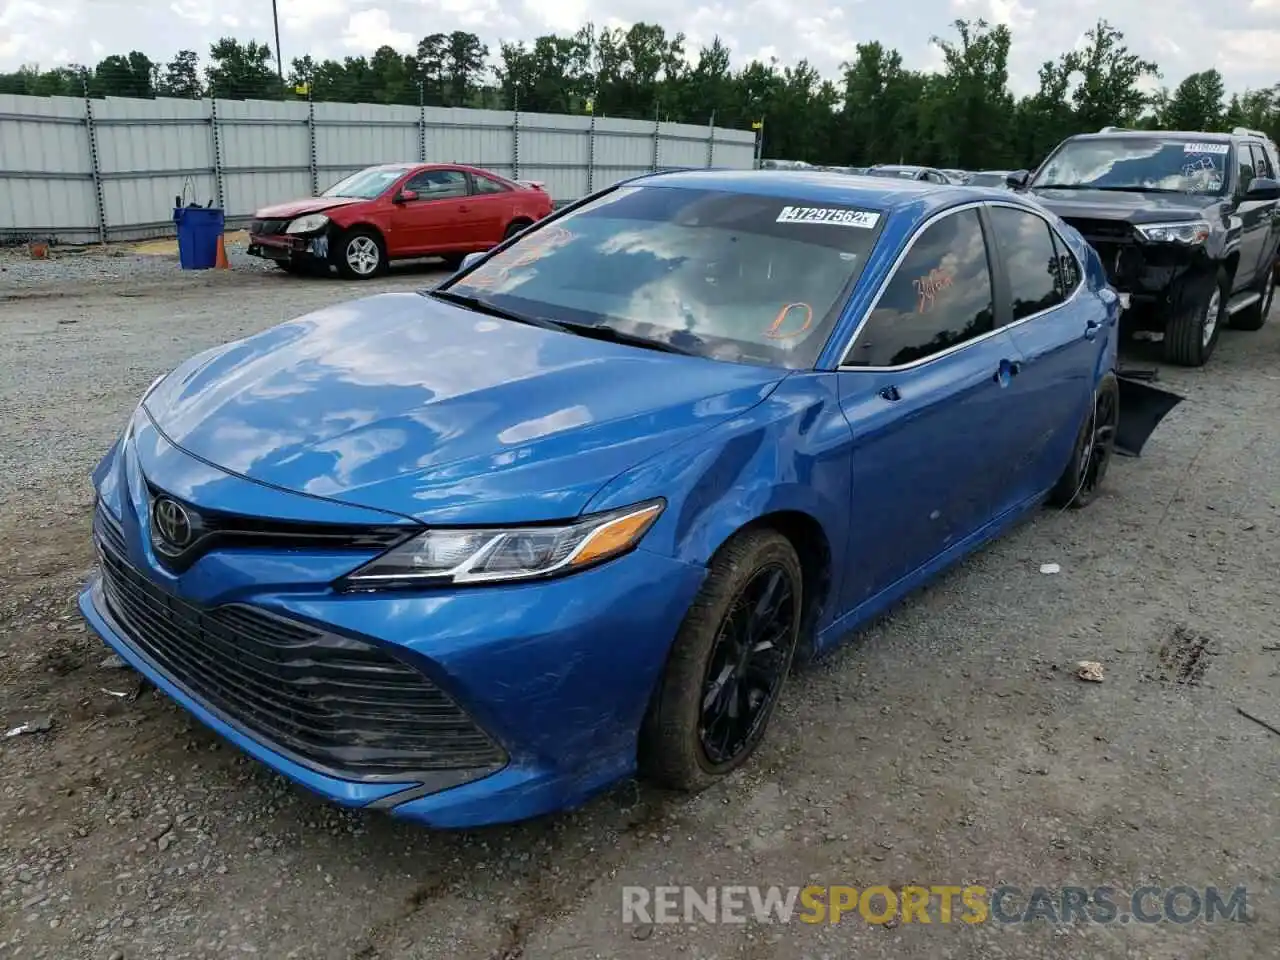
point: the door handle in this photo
(890, 393)
(464, 209)
(1091, 328)
(1007, 369)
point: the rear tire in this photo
(727, 668)
(1095, 444)
(360, 254)
(1199, 313)
(514, 227)
(1255, 315)
(453, 261)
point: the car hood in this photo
(402, 403)
(296, 208)
(1121, 205)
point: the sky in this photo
(1240, 37)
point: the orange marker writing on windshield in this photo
(775, 331)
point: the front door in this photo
(1255, 220)
(924, 387)
(1269, 211)
(436, 218)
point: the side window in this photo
(438, 184)
(939, 297)
(1261, 164)
(935, 177)
(1070, 274)
(487, 184)
(1030, 260)
(1245, 159)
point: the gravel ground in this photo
(949, 744)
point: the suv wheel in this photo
(1254, 316)
(1199, 312)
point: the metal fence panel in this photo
(81, 170)
(46, 182)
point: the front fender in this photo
(788, 454)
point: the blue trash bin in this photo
(198, 231)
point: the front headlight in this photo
(1190, 232)
(452, 555)
(308, 224)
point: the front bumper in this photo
(285, 248)
(1148, 273)
(557, 675)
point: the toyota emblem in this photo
(173, 524)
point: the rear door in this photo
(924, 388)
(1055, 324)
(491, 209)
(437, 218)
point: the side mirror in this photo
(1263, 188)
(1018, 179)
(404, 196)
(470, 260)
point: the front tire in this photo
(1200, 311)
(728, 665)
(361, 255)
(1095, 444)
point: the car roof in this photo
(1199, 135)
(818, 186)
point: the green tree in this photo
(181, 76)
(1108, 92)
(1197, 104)
(242, 71)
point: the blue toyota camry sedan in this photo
(471, 554)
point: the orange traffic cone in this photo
(221, 262)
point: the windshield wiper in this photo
(1132, 188)
(484, 306)
(1138, 188)
(598, 331)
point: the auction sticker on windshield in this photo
(1205, 148)
(836, 216)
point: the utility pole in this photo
(275, 18)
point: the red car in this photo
(396, 211)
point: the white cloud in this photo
(370, 29)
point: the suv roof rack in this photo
(1246, 132)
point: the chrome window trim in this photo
(897, 263)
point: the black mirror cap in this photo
(1263, 188)
(1018, 179)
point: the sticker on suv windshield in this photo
(1220, 148)
(836, 216)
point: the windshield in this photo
(1137, 163)
(738, 277)
(366, 184)
(899, 173)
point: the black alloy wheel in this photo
(748, 664)
(728, 664)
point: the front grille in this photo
(269, 228)
(214, 530)
(333, 703)
(1111, 231)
